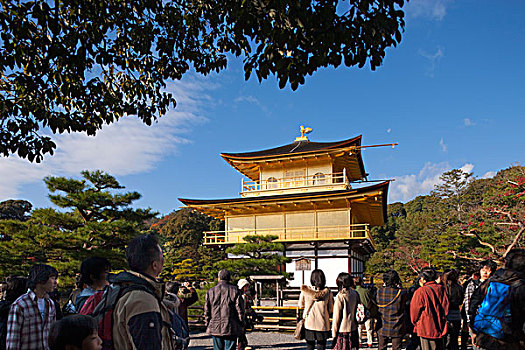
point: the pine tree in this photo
(95, 219)
(182, 236)
(258, 256)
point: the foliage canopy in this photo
(15, 209)
(463, 221)
(182, 235)
(75, 65)
(258, 255)
(95, 219)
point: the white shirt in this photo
(42, 306)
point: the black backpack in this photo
(103, 312)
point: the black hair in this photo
(450, 277)
(172, 287)
(15, 287)
(93, 266)
(142, 251)
(344, 281)
(71, 330)
(490, 264)
(224, 275)
(318, 279)
(40, 273)
(428, 273)
(391, 279)
(515, 260)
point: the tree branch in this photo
(473, 233)
(469, 257)
(516, 239)
(506, 213)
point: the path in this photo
(257, 340)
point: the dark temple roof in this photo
(296, 148)
(246, 163)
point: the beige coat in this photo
(140, 302)
(345, 306)
(322, 305)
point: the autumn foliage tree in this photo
(463, 221)
(499, 224)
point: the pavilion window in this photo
(319, 179)
(272, 183)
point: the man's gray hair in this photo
(224, 275)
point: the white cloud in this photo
(488, 175)
(433, 59)
(389, 130)
(443, 145)
(252, 100)
(468, 122)
(123, 148)
(407, 187)
(432, 9)
(467, 168)
(248, 99)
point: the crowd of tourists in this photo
(487, 311)
(128, 310)
(134, 310)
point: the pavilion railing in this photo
(293, 234)
(317, 180)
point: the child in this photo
(75, 332)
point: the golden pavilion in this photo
(314, 196)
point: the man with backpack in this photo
(497, 309)
(140, 319)
(486, 269)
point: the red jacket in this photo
(428, 311)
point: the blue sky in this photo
(452, 94)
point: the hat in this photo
(242, 282)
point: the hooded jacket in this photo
(318, 305)
(517, 311)
(345, 306)
(141, 321)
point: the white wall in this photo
(330, 266)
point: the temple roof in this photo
(295, 148)
(246, 162)
(374, 197)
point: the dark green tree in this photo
(185, 270)
(75, 65)
(182, 236)
(15, 209)
(258, 256)
(95, 219)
